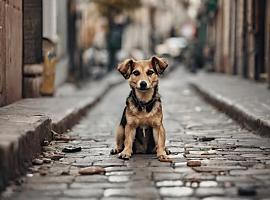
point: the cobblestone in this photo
(169, 183)
(209, 191)
(176, 191)
(230, 157)
(83, 193)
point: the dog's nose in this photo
(143, 85)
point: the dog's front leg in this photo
(160, 137)
(129, 138)
(120, 136)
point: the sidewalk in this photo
(245, 101)
(26, 124)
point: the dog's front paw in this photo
(162, 157)
(115, 151)
(165, 158)
(124, 155)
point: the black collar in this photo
(144, 105)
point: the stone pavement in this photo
(26, 124)
(244, 100)
(235, 163)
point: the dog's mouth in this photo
(143, 89)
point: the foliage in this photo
(113, 7)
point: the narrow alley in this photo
(201, 68)
(234, 162)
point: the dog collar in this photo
(144, 105)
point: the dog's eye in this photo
(136, 73)
(149, 73)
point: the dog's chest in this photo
(144, 118)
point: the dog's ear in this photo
(159, 64)
(126, 67)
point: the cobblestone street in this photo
(233, 163)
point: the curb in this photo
(18, 149)
(21, 140)
(235, 111)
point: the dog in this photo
(141, 128)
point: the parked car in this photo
(173, 47)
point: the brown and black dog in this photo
(141, 129)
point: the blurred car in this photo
(173, 47)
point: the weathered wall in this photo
(242, 33)
(232, 50)
(267, 41)
(10, 51)
(250, 38)
(32, 31)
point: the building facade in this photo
(239, 32)
(24, 24)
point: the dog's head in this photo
(143, 74)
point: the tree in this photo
(110, 8)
